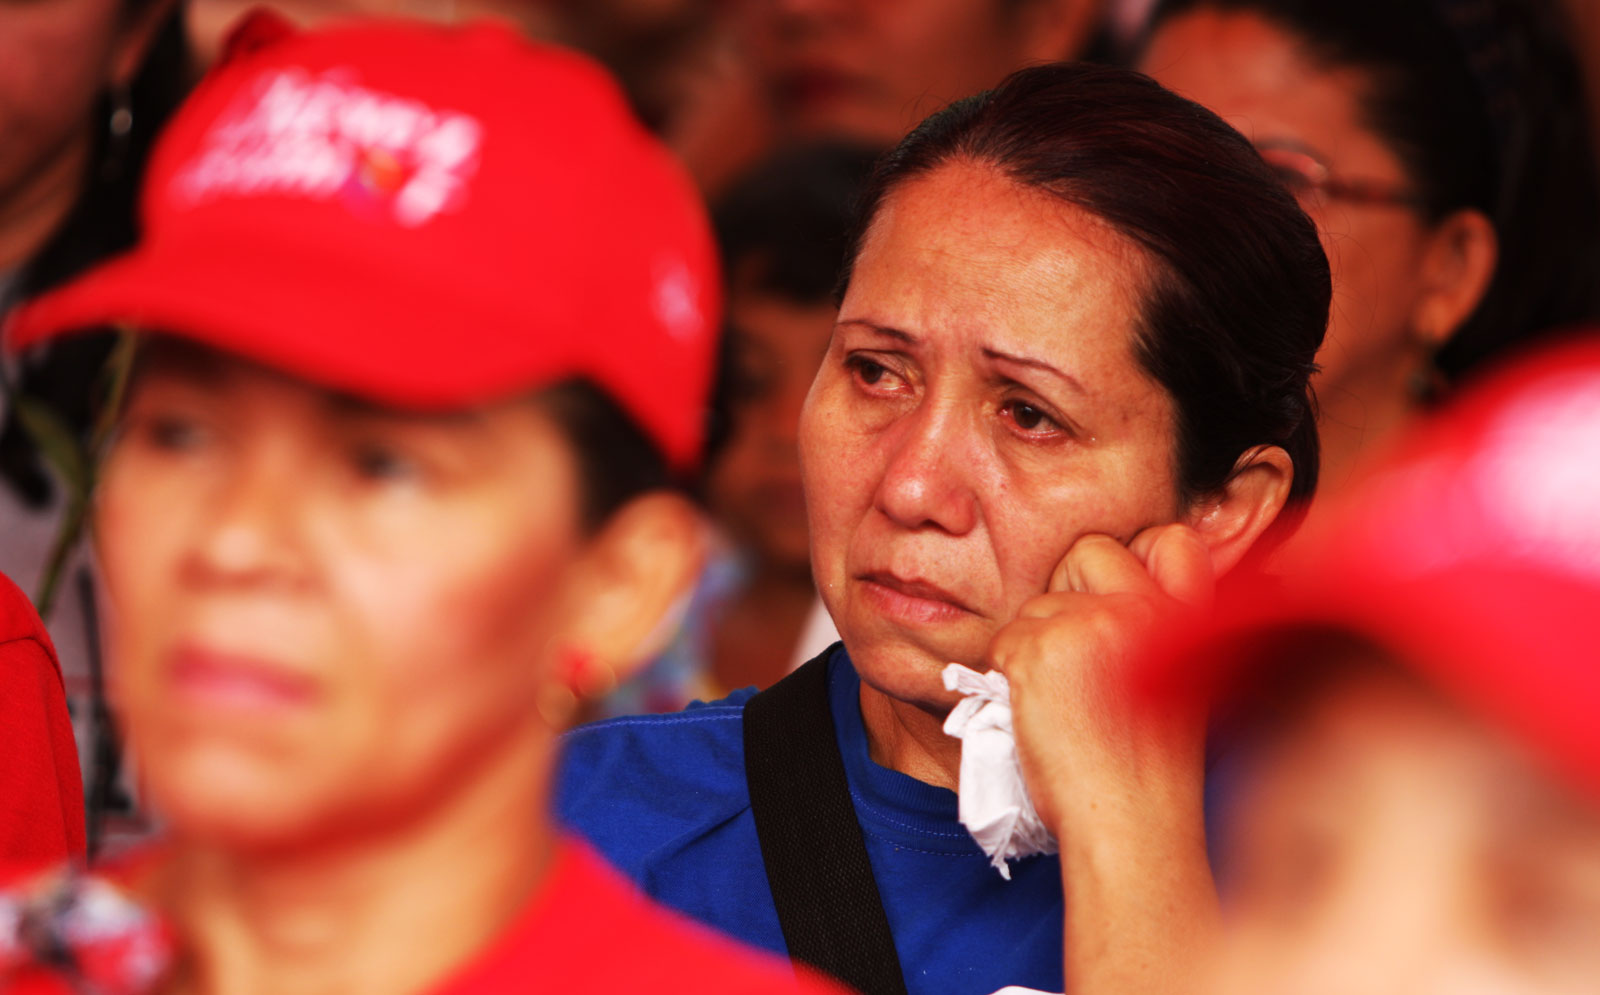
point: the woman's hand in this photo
(1119, 786)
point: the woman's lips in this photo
(218, 680)
(914, 601)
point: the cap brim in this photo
(380, 352)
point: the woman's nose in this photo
(928, 475)
(248, 528)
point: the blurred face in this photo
(325, 614)
(1258, 79)
(56, 57)
(755, 485)
(873, 70)
(980, 408)
(1389, 844)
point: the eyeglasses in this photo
(1309, 179)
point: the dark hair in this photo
(1482, 102)
(1237, 296)
(616, 460)
(102, 223)
(784, 227)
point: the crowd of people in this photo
(930, 496)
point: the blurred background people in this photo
(85, 86)
(872, 71)
(208, 22)
(394, 484)
(1442, 149)
(727, 83)
(1408, 784)
(783, 230)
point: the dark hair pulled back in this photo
(1236, 300)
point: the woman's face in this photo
(1389, 843)
(325, 614)
(1258, 79)
(980, 408)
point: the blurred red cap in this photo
(425, 217)
(1473, 556)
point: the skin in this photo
(978, 411)
(1390, 843)
(873, 70)
(1401, 285)
(56, 59)
(336, 628)
(754, 489)
(989, 479)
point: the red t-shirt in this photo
(586, 930)
(41, 790)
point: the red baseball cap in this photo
(1472, 556)
(426, 217)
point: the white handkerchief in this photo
(992, 800)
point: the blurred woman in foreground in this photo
(1409, 776)
(1441, 147)
(1067, 386)
(392, 485)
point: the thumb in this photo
(1179, 561)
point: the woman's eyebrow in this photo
(1036, 364)
(884, 330)
(350, 406)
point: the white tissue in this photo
(993, 802)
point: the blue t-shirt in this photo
(664, 798)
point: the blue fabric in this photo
(664, 798)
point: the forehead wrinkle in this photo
(1020, 264)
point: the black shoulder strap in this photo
(811, 843)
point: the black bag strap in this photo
(816, 858)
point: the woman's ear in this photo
(634, 576)
(1231, 521)
(1458, 263)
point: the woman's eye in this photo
(869, 372)
(383, 464)
(1028, 417)
(174, 433)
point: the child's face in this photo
(325, 614)
(754, 486)
(1388, 843)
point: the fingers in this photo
(1167, 559)
(1179, 561)
(1099, 564)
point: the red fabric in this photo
(587, 930)
(590, 931)
(1473, 554)
(41, 790)
(425, 217)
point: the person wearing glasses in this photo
(1440, 147)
